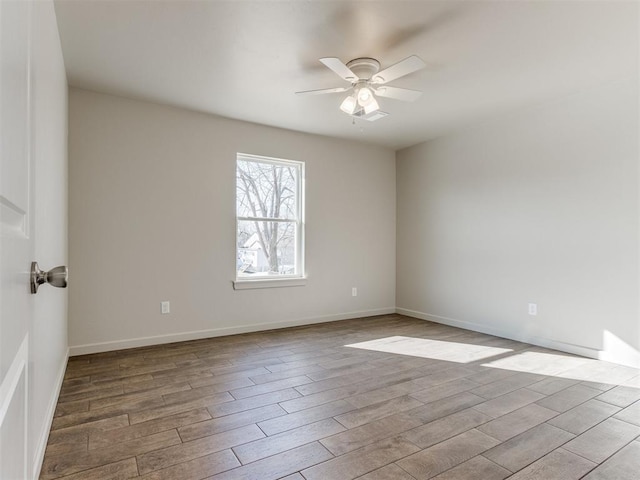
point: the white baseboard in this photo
(609, 355)
(510, 334)
(219, 332)
(51, 409)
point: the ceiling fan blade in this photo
(340, 68)
(403, 67)
(324, 90)
(403, 94)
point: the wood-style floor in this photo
(386, 397)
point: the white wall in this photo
(151, 218)
(538, 206)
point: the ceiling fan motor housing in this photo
(364, 68)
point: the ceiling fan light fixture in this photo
(349, 105)
(366, 100)
(365, 96)
(371, 106)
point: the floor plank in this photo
(581, 418)
(477, 468)
(448, 454)
(521, 450)
(518, 421)
(600, 442)
(446, 427)
(369, 433)
(558, 464)
(280, 465)
(364, 460)
(624, 465)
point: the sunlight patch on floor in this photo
(541, 362)
(535, 360)
(434, 349)
(564, 365)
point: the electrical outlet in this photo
(354, 291)
(164, 307)
(533, 309)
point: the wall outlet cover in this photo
(164, 307)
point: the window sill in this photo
(269, 283)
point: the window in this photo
(269, 218)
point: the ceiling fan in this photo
(367, 82)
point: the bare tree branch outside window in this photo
(267, 206)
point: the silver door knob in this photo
(56, 277)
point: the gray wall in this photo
(538, 206)
(152, 205)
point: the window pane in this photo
(266, 190)
(266, 248)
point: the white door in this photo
(16, 239)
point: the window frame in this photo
(266, 281)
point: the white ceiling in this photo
(245, 59)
